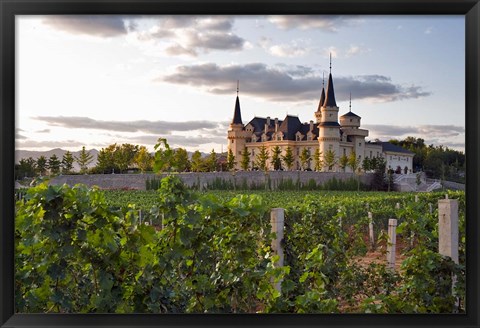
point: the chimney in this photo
(268, 120)
(276, 124)
(311, 125)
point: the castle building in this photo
(327, 136)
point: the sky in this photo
(98, 80)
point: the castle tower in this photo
(350, 123)
(236, 133)
(328, 127)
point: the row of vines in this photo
(76, 253)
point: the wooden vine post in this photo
(392, 241)
(277, 221)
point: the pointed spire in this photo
(237, 116)
(330, 63)
(350, 102)
(322, 99)
(238, 84)
(330, 97)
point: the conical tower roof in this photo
(330, 94)
(237, 115)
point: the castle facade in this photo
(327, 136)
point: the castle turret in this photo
(236, 133)
(329, 128)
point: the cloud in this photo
(95, 25)
(356, 50)
(329, 23)
(155, 127)
(189, 35)
(428, 30)
(279, 83)
(296, 48)
(447, 135)
(43, 131)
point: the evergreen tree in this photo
(83, 159)
(245, 163)
(329, 159)
(25, 168)
(305, 158)
(317, 161)
(288, 158)
(54, 164)
(343, 162)
(353, 161)
(67, 163)
(230, 160)
(262, 158)
(211, 161)
(276, 159)
(42, 165)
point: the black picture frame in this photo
(10, 8)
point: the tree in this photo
(305, 158)
(143, 159)
(54, 164)
(367, 164)
(288, 158)
(67, 163)
(276, 160)
(180, 160)
(379, 178)
(106, 162)
(163, 156)
(197, 161)
(262, 158)
(343, 162)
(25, 168)
(329, 159)
(211, 161)
(230, 160)
(245, 162)
(353, 161)
(124, 156)
(317, 161)
(83, 160)
(42, 165)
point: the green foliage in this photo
(83, 160)
(305, 158)
(230, 160)
(245, 162)
(329, 160)
(262, 158)
(54, 164)
(67, 163)
(288, 158)
(163, 156)
(276, 158)
(211, 253)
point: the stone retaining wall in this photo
(138, 181)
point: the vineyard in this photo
(81, 250)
